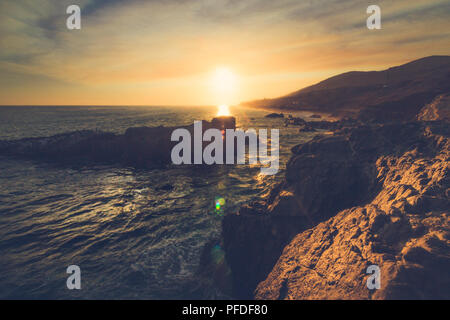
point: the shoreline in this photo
(264, 235)
(297, 113)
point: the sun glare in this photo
(224, 110)
(224, 83)
(224, 80)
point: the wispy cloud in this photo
(137, 47)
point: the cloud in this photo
(155, 42)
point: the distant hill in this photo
(397, 93)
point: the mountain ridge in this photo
(391, 94)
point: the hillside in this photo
(397, 93)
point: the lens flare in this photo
(219, 204)
(217, 255)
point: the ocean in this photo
(136, 234)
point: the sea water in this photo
(136, 234)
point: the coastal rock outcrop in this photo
(140, 147)
(275, 115)
(373, 194)
(405, 230)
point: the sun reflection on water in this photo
(223, 110)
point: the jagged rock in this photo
(306, 128)
(324, 177)
(404, 230)
(438, 109)
(295, 121)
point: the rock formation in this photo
(140, 147)
(438, 109)
(376, 192)
(372, 194)
(275, 115)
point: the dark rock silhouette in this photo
(140, 147)
(223, 122)
(275, 115)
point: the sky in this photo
(174, 52)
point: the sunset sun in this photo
(224, 85)
(224, 80)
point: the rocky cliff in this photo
(372, 194)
